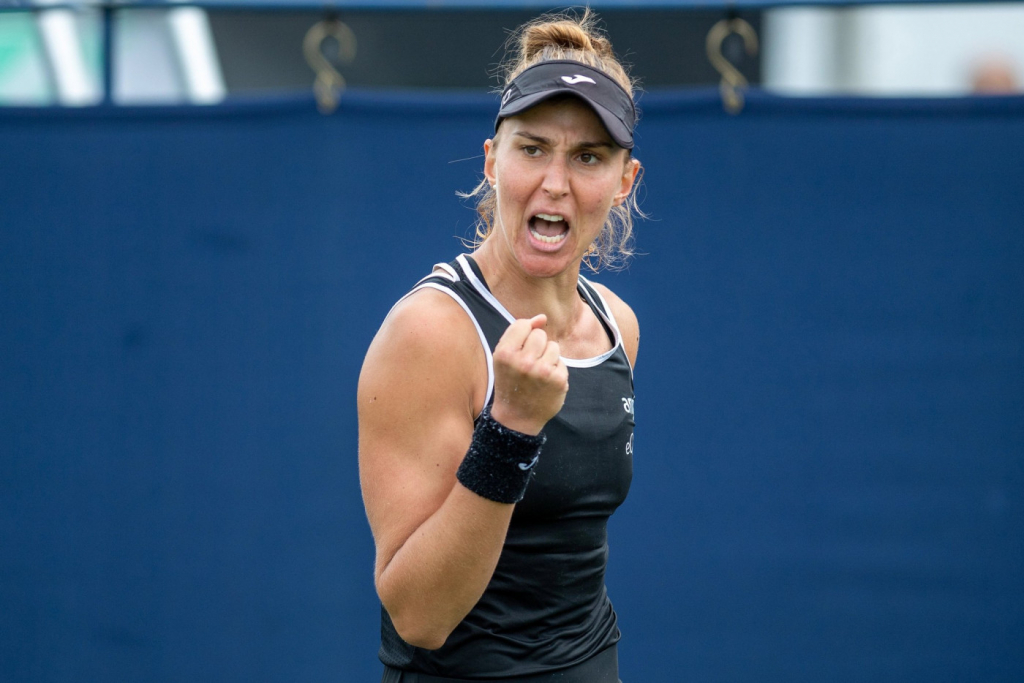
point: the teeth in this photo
(555, 239)
(550, 218)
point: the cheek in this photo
(600, 197)
(511, 180)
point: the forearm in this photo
(439, 573)
(439, 540)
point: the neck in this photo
(526, 296)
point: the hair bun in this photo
(563, 35)
(558, 34)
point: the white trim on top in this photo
(610, 317)
(606, 310)
(447, 272)
(481, 288)
(479, 330)
(451, 273)
(601, 312)
(570, 362)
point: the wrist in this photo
(500, 460)
(509, 419)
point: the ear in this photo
(489, 162)
(629, 174)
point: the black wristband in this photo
(499, 461)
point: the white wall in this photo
(922, 50)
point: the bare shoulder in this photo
(423, 379)
(427, 346)
(625, 318)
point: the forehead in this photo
(561, 118)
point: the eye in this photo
(589, 158)
(531, 150)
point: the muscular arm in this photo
(438, 543)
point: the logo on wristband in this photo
(527, 465)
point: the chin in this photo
(537, 264)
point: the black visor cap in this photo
(560, 77)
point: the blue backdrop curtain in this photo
(829, 467)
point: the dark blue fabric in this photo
(829, 458)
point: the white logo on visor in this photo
(508, 94)
(573, 80)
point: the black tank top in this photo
(546, 607)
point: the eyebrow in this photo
(545, 141)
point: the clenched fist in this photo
(530, 379)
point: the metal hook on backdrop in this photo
(732, 80)
(329, 83)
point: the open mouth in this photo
(549, 228)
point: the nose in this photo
(556, 179)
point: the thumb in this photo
(538, 321)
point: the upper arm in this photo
(419, 392)
(629, 328)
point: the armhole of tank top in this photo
(423, 284)
(605, 311)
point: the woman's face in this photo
(557, 174)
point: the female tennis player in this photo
(496, 401)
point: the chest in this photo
(586, 464)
